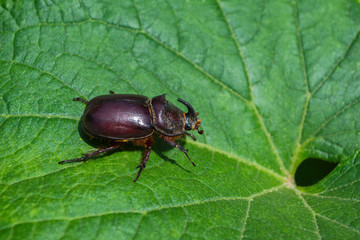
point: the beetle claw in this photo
(93, 154)
(78, 99)
(82, 159)
(141, 166)
(144, 160)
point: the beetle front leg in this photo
(77, 99)
(175, 144)
(192, 136)
(144, 160)
(93, 154)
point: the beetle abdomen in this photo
(118, 117)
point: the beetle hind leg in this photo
(78, 99)
(90, 155)
(143, 161)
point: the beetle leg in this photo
(175, 144)
(93, 154)
(144, 160)
(192, 136)
(80, 100)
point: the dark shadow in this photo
(161, 146)
(312, 170)
(94, 142)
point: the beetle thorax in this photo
(167, 118)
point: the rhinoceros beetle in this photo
(119, 118)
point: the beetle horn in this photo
(191, 112)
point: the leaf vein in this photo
(337, 63)
(40, 130)
(245, 219)
(196, 66)
(138, 226)
(313, 213)
(331, 197)
(336, 222)
(251, 102)
(103, 66)
(44, 72)
(296, 151)
(342, 186)
(335, 115)
(144, 212)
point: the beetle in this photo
(119, 118)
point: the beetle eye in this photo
(187, 127)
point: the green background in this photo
(275, 82)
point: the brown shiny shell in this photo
(118, 117)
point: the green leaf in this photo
(275, 83)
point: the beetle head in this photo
(192, 119)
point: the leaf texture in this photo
(275, 82)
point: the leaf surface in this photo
(275, 82)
